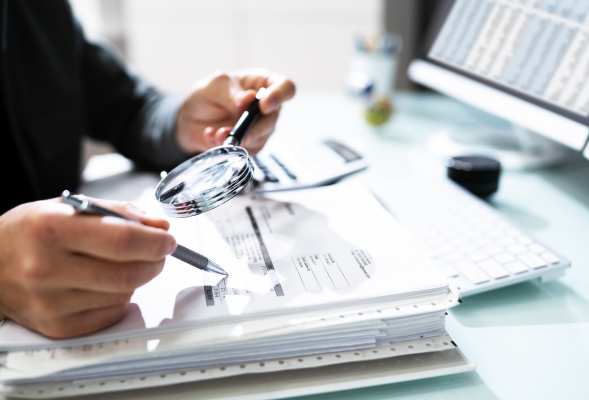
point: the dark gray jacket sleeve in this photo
(125, 111)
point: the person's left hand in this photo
(216, 102)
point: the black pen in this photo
(246, 121)
(82, 205)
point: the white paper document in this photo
(289, 251)
(357, 363)
(279, 337)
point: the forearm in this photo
(153, 143)
(124, 110)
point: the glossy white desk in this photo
(540, 331)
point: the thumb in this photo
(225, 91)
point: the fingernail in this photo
(172, 247)
(273, 104)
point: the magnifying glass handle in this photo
(245, 122)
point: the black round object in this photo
(477, 174)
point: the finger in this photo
(278, 88)
(260, 133)
(209, 136)
(83, 322)
(60, 303)
(130, 210)
(256, 138)
(243, 100)
(226, 92)
(112, 238)
(221, 134)
(85, 273)
(58, 226)
(127, 209)
(281, 89)
(254, 78)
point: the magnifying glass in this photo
(212, 178)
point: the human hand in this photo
(65, 274)
(216, 102)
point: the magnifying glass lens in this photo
(203, 177)
(205, 182)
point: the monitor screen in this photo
(529, 57)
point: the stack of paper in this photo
(311, 273)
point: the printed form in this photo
(246, 229)
(303, 249)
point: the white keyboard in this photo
(473, 245)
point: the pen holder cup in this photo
(373, 69)
(381, 68)
(379, 61)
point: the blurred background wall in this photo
(172, 43)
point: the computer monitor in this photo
(526, 61)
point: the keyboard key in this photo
(493, 268)
(458, 240)
(492, 249)
(466, 247)
(286, 170)
(471, 272)
(424, 244)
(445, 248)
(454, 256)
(449, 271)
(494, 233)
(516, 248)
(440, 262)
(450, 233)
(523, 239)
(477, 220)
(504, 257)
(477, 255)
(536, 248)
(432, 253)
(473, 234)
(423, 232)
(532, 260)
(487, 225)
(504, 240)
(551, 258)
(502, 224)
(268, 175)
(516, 267)
(437, 241)
(467, 239)
(483, 241)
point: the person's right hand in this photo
(65, 274)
